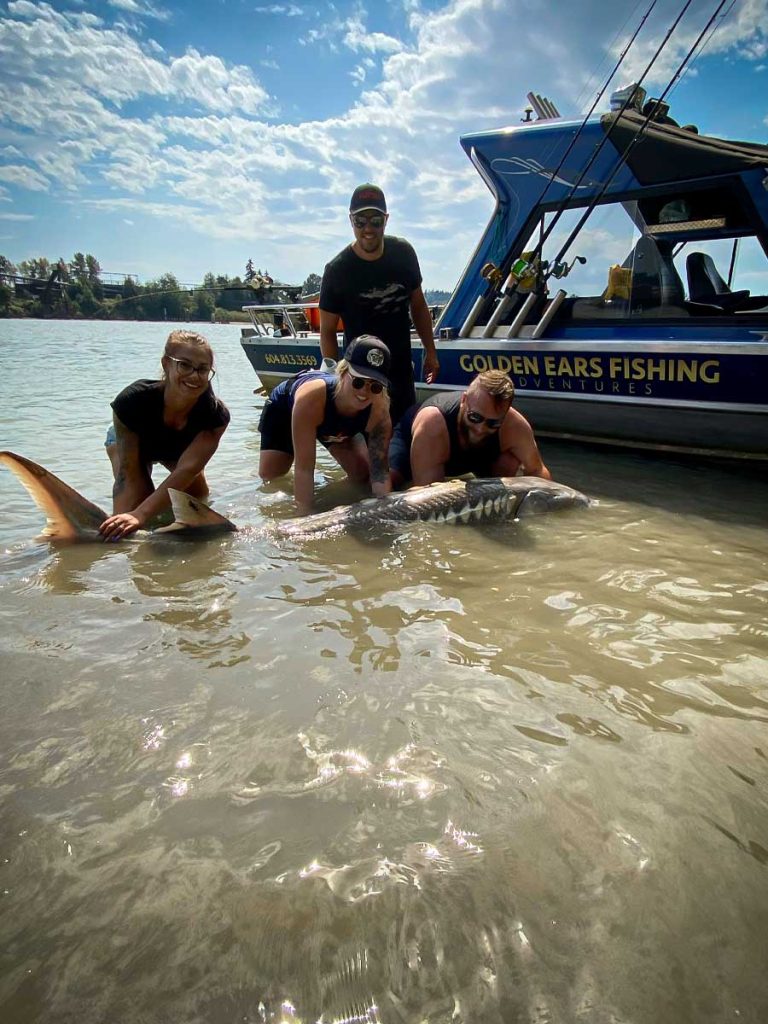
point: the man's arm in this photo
(430, 446)
(329, 326)
(519, 448)
(379, 433)
(308, 412)
(422, 321)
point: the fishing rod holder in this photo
(549, 313)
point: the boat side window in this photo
(670, 256)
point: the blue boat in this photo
(649, 329)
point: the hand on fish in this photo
(120, 525)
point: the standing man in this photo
(474, 431)
(373, 285)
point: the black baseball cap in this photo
(369, 357)
(367, 197)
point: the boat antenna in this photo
(654, 106)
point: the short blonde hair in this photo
(495, 383)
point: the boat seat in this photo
(656, 285)
(706, 285)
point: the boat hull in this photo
(700, 396)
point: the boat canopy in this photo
(667, 154)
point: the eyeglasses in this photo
(186, 369)
(492, 422)
(358, 383)
(374, 222)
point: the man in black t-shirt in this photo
(374, 287)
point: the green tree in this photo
(311, 285)
(81, 299)
(93, 269)
(78, 268)
(164, 299)
(39, 268)
(233, 295)
(6, 294)
(203, 305)
(7, 269)
(250, 273)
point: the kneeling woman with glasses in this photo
(177, 421)
(333, 408)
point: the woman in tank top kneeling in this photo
(335, 408)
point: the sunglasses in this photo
(362, 222)
(187, 369)
(492, 422)
(358, 383)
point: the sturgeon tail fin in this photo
(70, 516)
(192, 515)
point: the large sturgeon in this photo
(72, 518)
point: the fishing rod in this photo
(597, 99)
(606, 137)
(654, 108)
(201, 288)
(521, 269)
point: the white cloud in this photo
(357, 38)
(25, 177)
(212, 84)
(209, 158)
(82, 58)
(16, 216)
(741, 33)
(286, 10)
(145, 10)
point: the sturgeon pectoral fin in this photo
(70, 516)
(192, 514)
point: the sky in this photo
(188, 137)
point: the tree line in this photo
(75, 289)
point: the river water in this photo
(508, 774)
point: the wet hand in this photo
(431, 368)
(119, 526)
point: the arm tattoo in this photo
(120, 479)
(377, 454)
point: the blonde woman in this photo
(334, 408)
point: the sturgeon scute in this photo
(459, 501)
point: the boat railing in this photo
(283, 319)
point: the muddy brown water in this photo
(500, 774)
